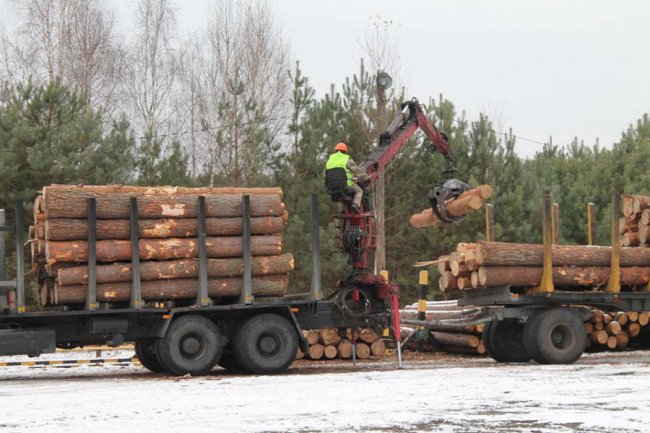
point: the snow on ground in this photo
(601, 393)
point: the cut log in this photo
(474, 280)
(300, 354)
(313, 337)
(166, 290)
(170, 269)
(643, 234)
(494, 276)
(611, 342)
(600, 337)
(630, 239)
(607, 318)
(330, 352)
(599, 326)
(367, 335)
(643, 318)
(316, 351)
(622, 340)
(645, 217)
(632, 316)
(448, 282)
(443, 264)
(478, 350)
(363, 350)
(625, 225)
(77, 229)
(451, 339)
(161, 249)
(330, 336)
(467, 202)
(464, 283)
(378, 347)
(613, 328)
(633, 329)
(510, 254)
(160, 190)
(589, 327)
(345, 349)
(621, 318)
(72, 204)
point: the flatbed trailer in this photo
(186, 337)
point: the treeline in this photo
(227, 107)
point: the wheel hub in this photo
(191, 346)
(268, 345)
(561, 337)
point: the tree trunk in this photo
(467, 202)
(363, 351)
(345, 349)
(313, 337)
(567, 276)
(171, 269)
(168, 290)
(158, 190)
(448, 282)
(451, 339)
(367, 335)
(330, 352)
(613, 328)
(621, 318)
(330, 336)
(377, 348)
(316, 351)
(72, 204)
(599, 337)
(511, 254)
(161, 249)
(77, 229)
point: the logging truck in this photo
(191, 334)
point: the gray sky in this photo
(545, 68)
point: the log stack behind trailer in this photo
(167, 228)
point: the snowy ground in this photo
(601, 393)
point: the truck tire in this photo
(144, 350)
(265, 344)
(555, 336)
(504, 341)
(192, 345)
(229, 362)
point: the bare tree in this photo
(248, 88)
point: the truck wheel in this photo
(145, 352)
(193, 345)
(555, 336)
(265, 344)
(504, 341)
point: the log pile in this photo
(168, 247)
(575, 267)
(464, 339)
(616, 330)
(634, 226)
(325, 344)
(466, 203)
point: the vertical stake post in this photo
(247, 292)
(202, 298)
(91, 290)
(591, 220)
(422, 307)
(489, 222)
(316, 289)
(614, 283)
(2, 246)
(136, 294)
(20, 257)
(556, 224)
(546, 285)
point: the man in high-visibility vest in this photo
(341, 159)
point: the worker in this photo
(355, 178)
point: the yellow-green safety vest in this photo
(340, 159)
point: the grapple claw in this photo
(448, 190)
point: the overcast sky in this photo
(545, 68)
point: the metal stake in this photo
(136, 296)
(316, 289)
(91, 290)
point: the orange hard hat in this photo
(341, 147)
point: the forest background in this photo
(80, 103)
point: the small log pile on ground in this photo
(466, 203)
(634, 226)
(168, 247)
(575, 267)
(464, 339)
(617, 330)
(325, 344)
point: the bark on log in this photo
(459, 269)
(345, 349)
(625, 225)
(627, 206)
(451, 339)
(330, 352)
(171, 269)
(599, 337)
(467, 202)
(330, 336)
(77, 229)
(377, 348)
(478, 350)
(630, 239)
(160, 190)
(72, 204)
(161, 249)
(645, 217)
(511, 254)
(567, 276)
(643, 234)
(166, 290)
(316, 351)
(363, 350)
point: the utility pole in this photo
(383, 82)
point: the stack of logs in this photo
(634, 226)
(465, 339)
(575, 267)
(168, 247)
(614, 330)
(329, 344)
(466, 203)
